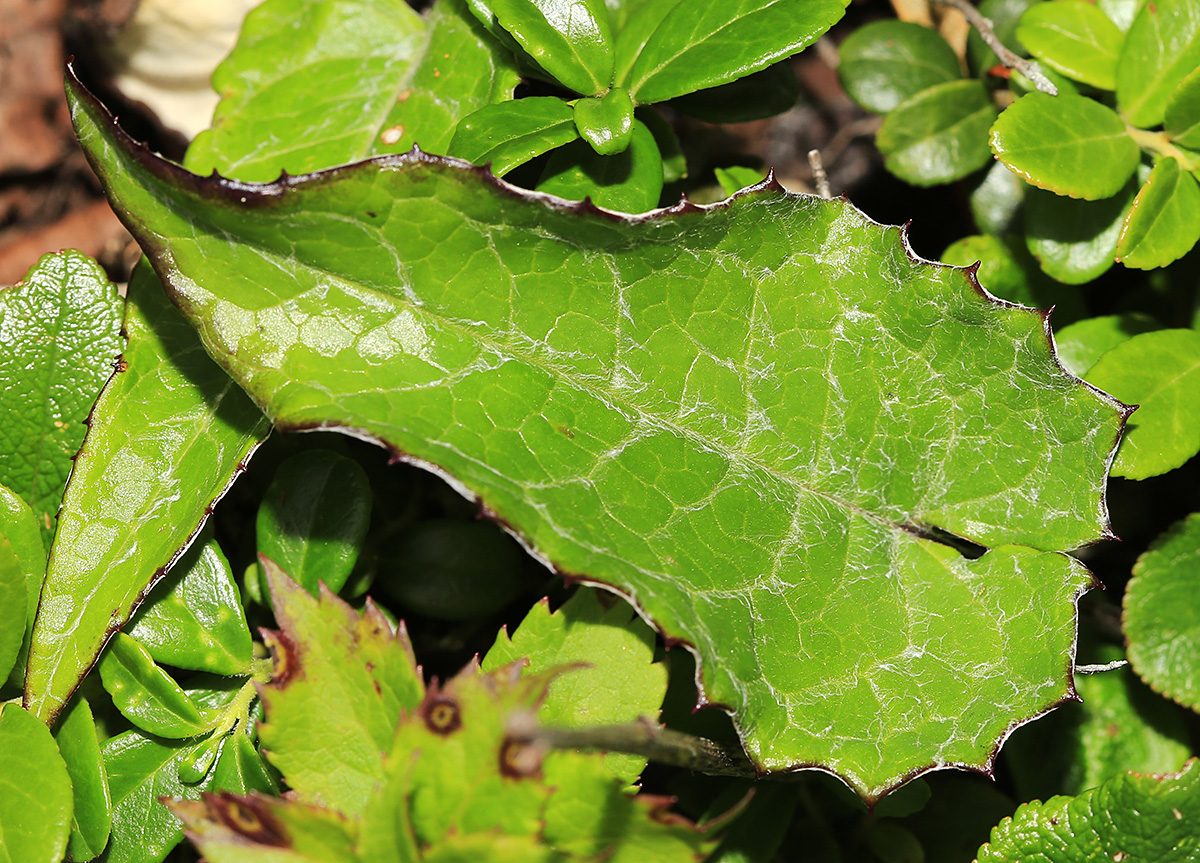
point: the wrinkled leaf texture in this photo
(753, 420)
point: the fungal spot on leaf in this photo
(392, 134)
(250, 818)
(520, 760)
(285, 656)
(404, 94)
(441, 713)
(566, 431)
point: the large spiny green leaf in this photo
(752, 419)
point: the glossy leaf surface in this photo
(22, 567)
(629, 182)
(167, 436)
(512, 133)
(1159, 372)
(145, 693)
(1162, 614)
(60, 338)
(1162, 48)
(724, 432)
(1164, 222)
(570, 39)
(339, 686)
(35, 791)
(1074, 38)
(314, 517)
(938, 135)
(618, 681)
(671, 47)
(885, 62)
(1182, 121)
(91, 814)
(1082, 343)
(1069, 145)
(606, 122)
(193, 618)
(372, 66)
(1131, 818)
(755, 97)
(1075, 240)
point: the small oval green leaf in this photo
(1074, 240)
(92, 812)
(1070, 145)
(1082, 343)
(314, 517)
(35, 802)
(511, 133)
(145, 693)
(1074, 38)
(1162, 614)
(884, 63)
(629, 182)
(1162, 48)
(938, 135)
(21, 551)
(606, 122)
(1182, 121)
(570, 39)
(1159, 372)
(1164, 222)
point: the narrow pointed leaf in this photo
(749, 419)
(1164, 222)
(1074, 38)
(167, 436)
(1162, 48)
(1159, 372)
(938, 135)
(1162, 614)
(1130, 818)
(240, 768)
(35, 790)
(146, 694)
(511, 133)
(313, 518)
(1070, 145)
(571, 39)
(671, 48)
(629, 182)
(886, 62)
(59, 338)
(23, 562)
(91, 817)
(193, 618)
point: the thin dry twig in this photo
(1027, 68)
(820, 178)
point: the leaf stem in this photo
(645, 738)
(1028, 68)
(1160, 144)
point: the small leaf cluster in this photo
(1109, 161)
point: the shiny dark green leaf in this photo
(571, 39)
(59, 338)
(145, 694)
(193, 618)
(314, 517)
(1082, 343)
(938, 135)
(92, 812)
(1067, 144)
(754, 97)
(1074, 240)
(1162, 48)
(674, 161)
(1182, 119)
(168, 435)
(669, 48)
(888, 62)
(606, 122)
(629, 182)
(1164, 222)
(512, 133)
(35, 790)
(1075, 38)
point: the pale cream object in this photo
(166, 54)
